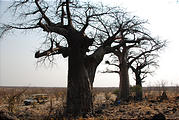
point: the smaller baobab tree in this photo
(144, 64)
(133, 42)
(141, 68)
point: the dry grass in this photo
(104, 106)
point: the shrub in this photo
(136, 88)
(116, 92)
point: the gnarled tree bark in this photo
(124, 80)
(79, 95)
(139, 86)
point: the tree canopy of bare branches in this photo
(84, 33)
(134, 48)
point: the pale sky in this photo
(18, 65)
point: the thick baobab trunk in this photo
(124, 76)
(124, 82)
(79, 95)
(139, 87)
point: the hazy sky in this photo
(18, 65)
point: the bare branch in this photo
(68, 13)
(110, 71)
(103, 24)
(42, 12)
(85, 26)
(58, 50)
(5, 28)
(63, 14)
(112, 64)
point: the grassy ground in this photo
(11, 101)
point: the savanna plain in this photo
(105, 106)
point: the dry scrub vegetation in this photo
(105, 107)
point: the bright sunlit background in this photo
(18, 66)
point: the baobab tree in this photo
(80, 31)
(144, 63)
(133, 39)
